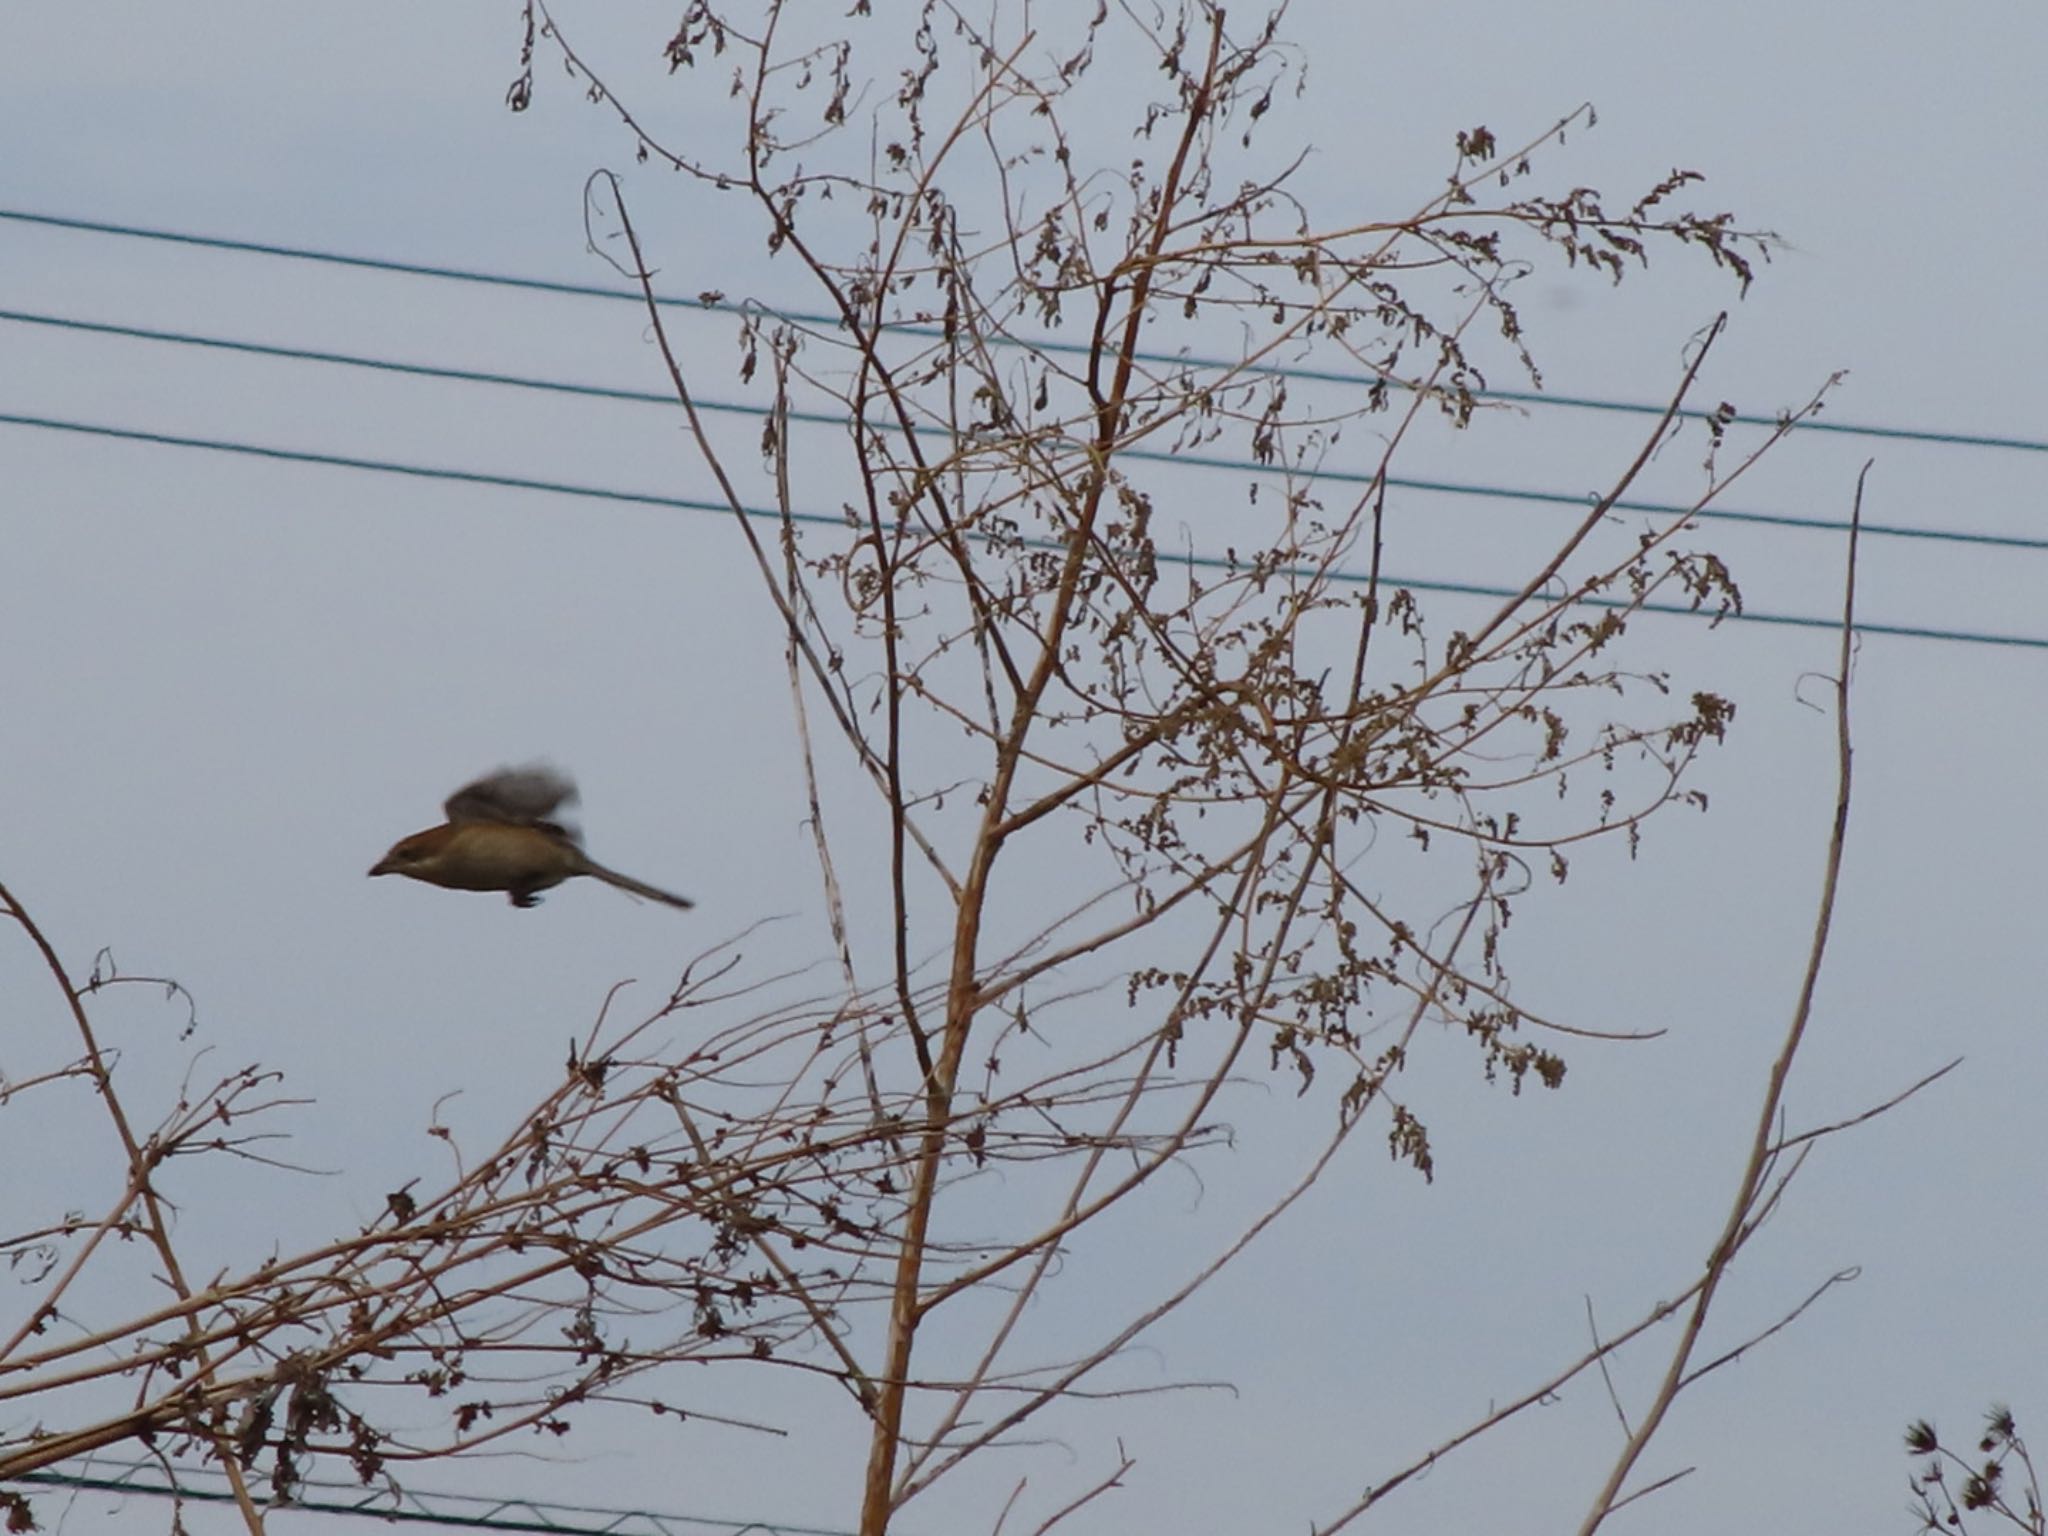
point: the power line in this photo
(462, 1511)
(832, 322)
(1209, 562)
(1189, 460)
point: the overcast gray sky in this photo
(226, 684)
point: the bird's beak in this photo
(383, 866)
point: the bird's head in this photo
(409, 855)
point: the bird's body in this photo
(500, 835)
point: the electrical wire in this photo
(1453, 488)
(1210, 562)
(1189, 460)
(461, 1511)
(832, 323)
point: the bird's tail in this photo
(635, 887)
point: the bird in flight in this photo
(501, 835)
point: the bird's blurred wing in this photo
(516, 796)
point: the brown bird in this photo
(501, 835)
